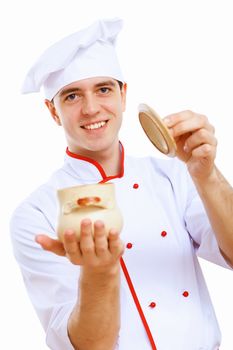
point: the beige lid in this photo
(156, 130)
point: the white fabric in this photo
(161, 268)
(87, 53)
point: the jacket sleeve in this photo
(192, 212)
(199, 227)
(51, 281)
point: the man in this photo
(141, 288)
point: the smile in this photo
(94, 125)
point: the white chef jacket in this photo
(165, 228)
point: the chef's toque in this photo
(85, 54)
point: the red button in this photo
(152, 304)
(163, 233)
(186, 294)
(135, 186)
(129, 245)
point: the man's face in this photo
(90, 112)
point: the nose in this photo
(90, 106)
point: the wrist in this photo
(204, 182)
(101, 272)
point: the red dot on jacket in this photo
(152, 304)
(163, 233)
(186, 294)
(129, 245)
(135, 186)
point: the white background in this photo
(175, 55)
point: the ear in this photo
(123, 96)
(53, 112)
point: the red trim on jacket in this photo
(105, 178)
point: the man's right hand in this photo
(94, 250)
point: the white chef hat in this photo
(87, 53)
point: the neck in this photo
(109, 159)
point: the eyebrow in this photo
(107, 82)
(75, 89)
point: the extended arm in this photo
(95, 321)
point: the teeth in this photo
(95, 126)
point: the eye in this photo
(104, 90)
(71, 97)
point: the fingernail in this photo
(167, 121)
(113, 232)
(37, 240)
(69, 233)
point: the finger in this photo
(206, 152)
(186, 122)
(100, 238)
(71, 246)
(199, 138)
(50, 244)
(182, 116)
(176, 118)
(86, 238)
(116, 246)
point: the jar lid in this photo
(156, 130)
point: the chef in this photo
(141, 288)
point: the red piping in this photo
(106, 178)
(137, 303)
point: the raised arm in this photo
(197, 145)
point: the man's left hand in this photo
(195, 140)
